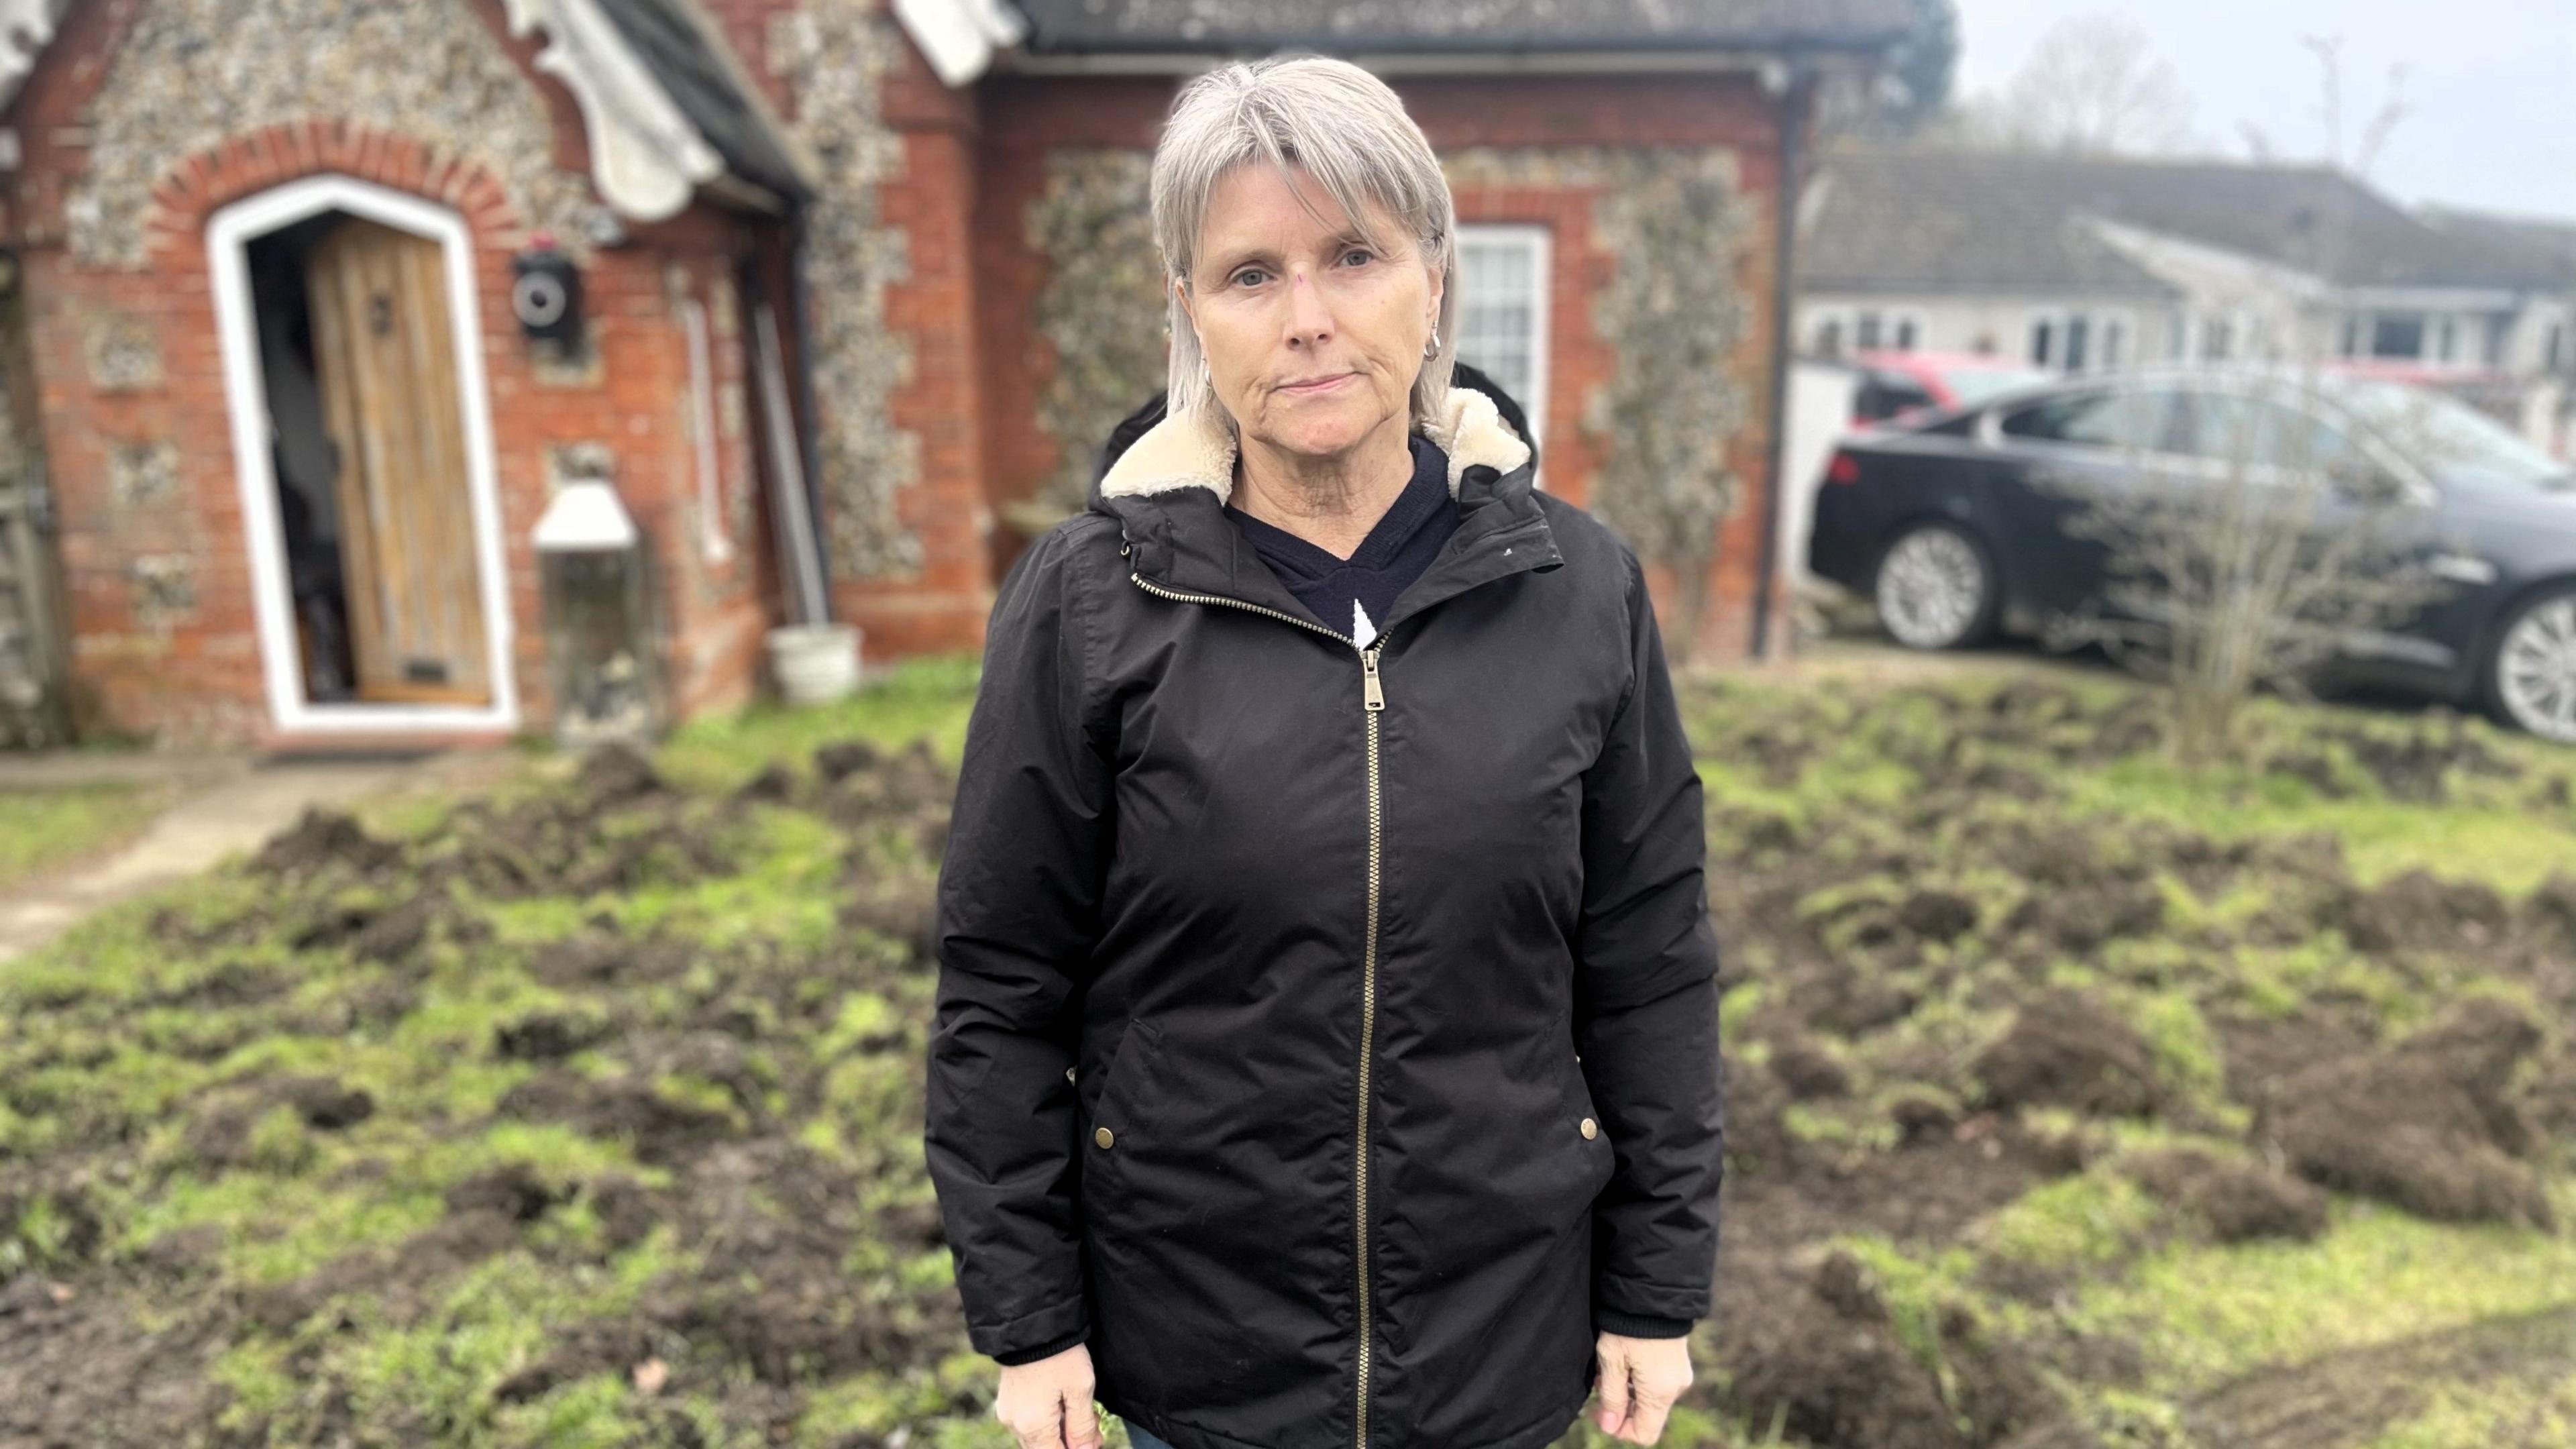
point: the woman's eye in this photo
(1247, 272)
(1359, 252)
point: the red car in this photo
(1893, 384)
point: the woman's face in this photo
(1312, 336)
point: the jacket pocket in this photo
(1581, 1123)
(1115, 1120)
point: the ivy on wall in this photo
(192, 73)
(1102, 310)
(834, 55)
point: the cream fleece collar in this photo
(1183, 452)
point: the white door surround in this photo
(228, 238)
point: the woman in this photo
(1325, 1046)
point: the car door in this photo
(2059, 463)
(2364, 518)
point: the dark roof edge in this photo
(1176, 46)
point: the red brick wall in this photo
(196, 673)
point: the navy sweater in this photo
(1352, 594)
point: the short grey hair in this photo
(1349, 132)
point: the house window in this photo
(2446, 340)
(2397, 334)
(2554, 350)
(1866, 332)
(2217, 339)
(1909, 334)
(1829, 337)
(1502, 314)
(2074, 341)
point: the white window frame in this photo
(1540, 244)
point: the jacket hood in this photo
(1150, 451)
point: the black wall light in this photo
(545, 293)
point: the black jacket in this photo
(1326, 1036)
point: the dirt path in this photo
(224, 804)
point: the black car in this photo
(1956, 524)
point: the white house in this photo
(2081, 263)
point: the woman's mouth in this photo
(1316, 385)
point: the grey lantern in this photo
(599, 617)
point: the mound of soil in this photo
(2067, 1050)
(1827, 1366)
(2424, 1126)
(2240, 1201)
(2418, 911)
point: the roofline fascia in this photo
(1428, 59)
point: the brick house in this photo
(883, 268)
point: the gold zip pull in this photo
(1371, 696)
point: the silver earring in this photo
(1433, 348)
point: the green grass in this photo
(44, 828)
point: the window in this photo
(1502, 314)
(1829, 337)
(2217, 339)
(1865, 332)
(2140, 419)
(2554, 348)
(2397, 334)
(2232, 428)
(2074, 341)
(2446, 340)
(1884, 394)
(2350, 343)
(1909, 334)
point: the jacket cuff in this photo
(1639, 1325)
(1045, 1350)
(1032, 1335)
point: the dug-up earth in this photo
(2072, 1100)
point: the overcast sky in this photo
(2490, 87)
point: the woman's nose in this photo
(1309, 319)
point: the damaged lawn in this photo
(2071, 1100)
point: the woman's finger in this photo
(1613, 1387)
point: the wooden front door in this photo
(384, 346)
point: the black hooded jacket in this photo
(1326, 1036)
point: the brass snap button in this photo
(1101, 1136)
(1590, 1128)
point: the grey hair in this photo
(1349, 132)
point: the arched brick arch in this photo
(254, 161)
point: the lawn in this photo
(2072, 1098)
(45, 827)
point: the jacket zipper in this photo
(1372, 703)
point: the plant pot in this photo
(814, 663)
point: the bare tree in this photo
(2291, 531)
(2094, 86)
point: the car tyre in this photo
(1936, 587)
(2528, 677)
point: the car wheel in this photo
(1936, 588)
(2530, 674)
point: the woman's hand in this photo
(1046, 1404)
(1641, 1379)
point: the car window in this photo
(1885, 394)
(2233, 428)
(2126, 419)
